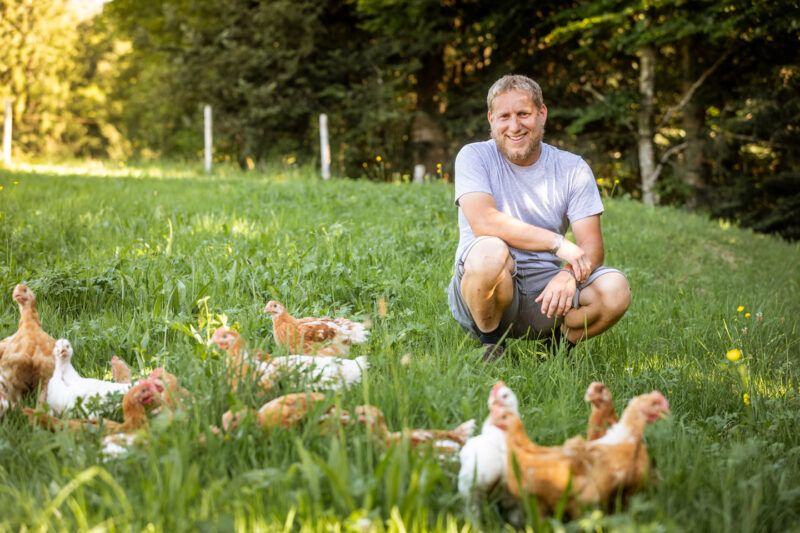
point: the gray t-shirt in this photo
(553, 192)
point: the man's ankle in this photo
(493, 337)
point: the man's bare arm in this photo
(485, 219)
(589, 238)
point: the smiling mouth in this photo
(517, 138)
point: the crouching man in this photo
(516, 198)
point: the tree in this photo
(36, 69)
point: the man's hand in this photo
(577, 259)
(556, 298)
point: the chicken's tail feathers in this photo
(351, 332)
(465, 430)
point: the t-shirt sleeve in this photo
(472, 172)
(584, 200)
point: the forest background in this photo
(682, 102)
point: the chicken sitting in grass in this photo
(317, 336)
(446, 442)
(26, 357)
(483, 457)
(242, 366)
(603, 415)
(66, 387)
(317, 372)
(120, 371)
(135, 405)
(286, 411)
(170, 394)
(135, 414)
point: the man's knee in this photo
(614, 294)
(488, 259)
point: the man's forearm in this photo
(516, 233)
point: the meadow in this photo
(144, 263)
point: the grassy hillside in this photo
(127, 262)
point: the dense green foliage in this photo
(678, 102)
(127, 260)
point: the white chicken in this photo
(67, 386)
(321, 372)
(483, 457)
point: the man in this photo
(516, 197)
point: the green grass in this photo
(126, 261)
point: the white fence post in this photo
(7, 134)
(207, 122)
(419, 174)
(324, 147)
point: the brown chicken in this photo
(120, 371)
(170, 393)
(543, 470)
(241, 365)
(443, 440)
(3, 397)
(287, 411)
(314, 336)
(603, 415)
(594, 470)
(618, 461)
(26, 357)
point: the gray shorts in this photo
(524, 315)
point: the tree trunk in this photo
(693, 122)
(644, 133)
(427, 134)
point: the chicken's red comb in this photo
(497, 386)
(156, 373)
(115, 358)
(661, 399)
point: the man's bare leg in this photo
(487, 286)
(603, 303)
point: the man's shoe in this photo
(492, 352)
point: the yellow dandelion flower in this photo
(733, 355)
(1, 187)
(616, 181)
(378, 159)
(747, 315)
(438, 165)
(364, 164)
(740, 308)
(16, 183)
(746, 398)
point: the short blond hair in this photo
(515, 82)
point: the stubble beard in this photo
(518, 156)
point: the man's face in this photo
(517, 127)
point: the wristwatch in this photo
(557, 244)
